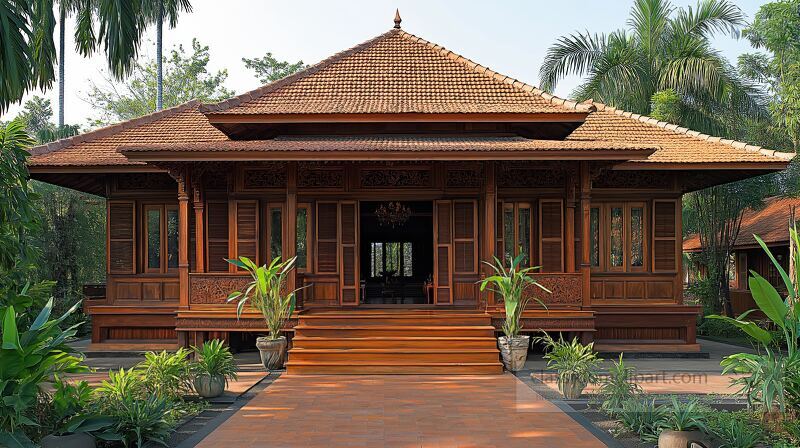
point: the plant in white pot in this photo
(267, 294)
(575, 363)
(212, 368)
(684, 424)
(511, 284)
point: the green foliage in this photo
(735, 429)
(29, 358)
(268, 69)
(642, 416)
(70, 411)
(617, 387)
(667, 106)
(166, 374)
(186, 77)
(28, 54)
(511, 284)
(663, 48)
(573, 361)
(214, 358)
(141, 420)
(683, 416)
(267, 292)
(715, 327)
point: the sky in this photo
(510, 37)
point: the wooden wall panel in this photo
(217, 234)
(246, 229)
(665, 235)
(551, 234)
(443, 255)
(348, 237)
(121, 237)
(327, 229)
(465, 237)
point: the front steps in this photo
(394, 342)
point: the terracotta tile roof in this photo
(180, 124)
(678, 144)
(770, 223)
(395, 143)
(396, 72)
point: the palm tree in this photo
(663, 50)
(157, 11)
(27, 49)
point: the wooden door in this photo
(348, 253)
(443, 252)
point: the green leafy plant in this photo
(214, 358)
(772, 379)
(28, 359)
(643, 417)
(71, 411)
(511, 284)
(618, 386)
(267, 292)
(166, 374)
(735, 429)
(574, 362)
(680, 416)
(143, 420)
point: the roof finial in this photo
(397, 19)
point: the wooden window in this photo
(303, 237)
(348, 237)
(551, 230)
(275, 217)
(616, 237)
(665, 235)
(443, 253)
(217, 236)
(160, 245)
(636, 233)
(465, 237)
(327, 231)
(246, 229)
(594, 237)
(517, 232)
(121, 237)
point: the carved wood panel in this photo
(565, 289)
(333, 177)
(267, 176)
(214, 289)
(396, 177)
(464, 178)
(633, 179)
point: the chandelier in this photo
(393, 214)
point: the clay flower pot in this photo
(572, 388)
(77, 440)
(209, 386)
(514, 352)
(681, 439)
(273, 352)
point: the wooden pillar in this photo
(586, 188)
(183, 239)
(679, 253)
(289, 240)
(489, 239)
(569, 232)
(199, 226)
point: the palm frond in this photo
(710, 17)
(15, 54)
(122, 23)
(570, 55)
(42, 43)
(648, 20)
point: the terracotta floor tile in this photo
(400, 411)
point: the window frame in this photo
(163, 210)
(515, 207)
(309, 236)
(604, 238)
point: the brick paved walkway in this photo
(400, 411)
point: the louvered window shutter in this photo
(443, 235)
(348, 237)
(551, 232)
(217, 236)
(465, 218)
(665, 235)
(247, 229)
(121, 237)
(327, 237)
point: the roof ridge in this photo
(688, 132)
(286, 80)
(499, 77)
(110, 129)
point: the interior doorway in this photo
(396, 252)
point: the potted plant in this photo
(575, 363)
(683, 424)
(267, 294)
(512, 285)
(72, 425)
(212, 368)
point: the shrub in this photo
(680, 416)
(617, 387)
(714, 327)
(70, 411)
(573, 361)
(166, 374)
(643, 417)
(143, 420)
(735, 429)
(213, 358)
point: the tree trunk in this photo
(61, 59)
(159, 56)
